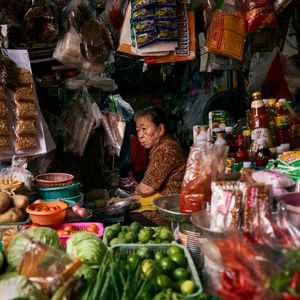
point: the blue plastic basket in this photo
(59, 192)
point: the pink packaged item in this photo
(275, 179)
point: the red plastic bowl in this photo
(49, 180)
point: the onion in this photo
(82, 212)
(75, 207)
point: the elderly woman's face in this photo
(148, 133)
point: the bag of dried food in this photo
(204, 165)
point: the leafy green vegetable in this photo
(87, 247)
(166, 234)
(19, 286)
(85, 272)
(145, 235)
(20, 243)
(135, 227)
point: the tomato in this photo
(148, 267)
(163, 281)
(92, 228)
(174, 249)
(179, 259)
(188, 287)
(68, 227)
(159, 255)
(167, 264)
(144, 252)
(181, 274)
(133, 259)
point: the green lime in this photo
(144, 252)
(179, 259)
(135, 227)
(115, 241)
(188, 287)
(131, 237)
(110, 234)
(181, 273)
(159, 255)
(116, 227)
(133, 259)
(167, 265)
(174, 249)
(163, 281)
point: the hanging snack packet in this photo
(138, 4)
(227, 32)
(142, 14)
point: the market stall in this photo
(149, 150)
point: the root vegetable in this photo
(12, 215)
(4, 202)
(20, 201)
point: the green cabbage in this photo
(87, 247)
(20, 243)
(19, 286)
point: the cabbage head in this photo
(20, 243)
(20, 287)
(87, 247)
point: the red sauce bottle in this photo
(263, 154)
(258, 112)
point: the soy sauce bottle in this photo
(263, 154)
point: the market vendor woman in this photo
(166, 167)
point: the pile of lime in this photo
(136, 233)
(167, 269)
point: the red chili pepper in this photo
(288, 296)
(295, 280)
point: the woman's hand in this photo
(117, 199)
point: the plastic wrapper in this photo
(78, 120)
(26, 142)
(24, 94)
(18, 170)
(260, 14)
(115, 10)
(4, 143)
(24, 76)
(25, 127)
(256, 206)
(4, 126)
(273, 178)
(40, 22)
(3, 109)
(204, 165)
(227, 31)
(226, 203)
(46, 265)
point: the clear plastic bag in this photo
(204, 165)
(18, 170)
(81, 116)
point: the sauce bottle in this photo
(263, 154)
(258, 112)
(240, 153)
(282, 123)
(229, 137)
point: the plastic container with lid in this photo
(258, 112)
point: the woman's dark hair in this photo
(157, 116)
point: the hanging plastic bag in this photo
(227, 30)
(80, 118)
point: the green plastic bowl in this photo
(59, 192)
(78, 199)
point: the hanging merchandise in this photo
(227, 30)
(23, 131)
(40, 22)
(87, 42)
(161, 31)
(260, 14)
(78, 120)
